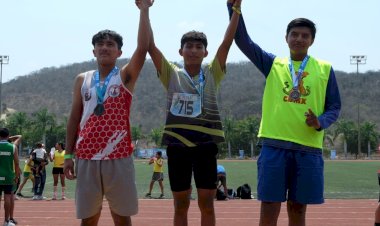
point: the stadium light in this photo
(358, 59)
(3, 60)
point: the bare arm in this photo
(154, 52)
(16, 164)
(131, 71)
(75, 115)
(29, 161)
(16, 139)
(73, 126)
(229, 35)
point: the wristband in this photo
(236, 9)
(69, 156)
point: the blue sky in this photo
(42, 33)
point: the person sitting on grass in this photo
(222, 179)
(158, 174)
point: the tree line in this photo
(43, 126)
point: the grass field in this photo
(343, 179)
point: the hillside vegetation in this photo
(240, 94)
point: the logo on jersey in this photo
(303, 90)
(114, 91)
(87, 95)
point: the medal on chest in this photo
(101, 90)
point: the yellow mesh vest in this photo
(284, 119)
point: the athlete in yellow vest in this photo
(301, 99)
(58, 158)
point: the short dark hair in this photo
(302, 22)
(159, 153)
(4, 132)
(104, 34)
(194, 36)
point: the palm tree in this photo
(253, 129)
(369, 136)
(42, 120)
(18, 122)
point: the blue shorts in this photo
(290, 175)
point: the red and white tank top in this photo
(106, 136)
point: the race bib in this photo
(186, 105)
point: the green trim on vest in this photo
(284, 119)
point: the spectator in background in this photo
(9, 173)
(27, 174)
(15, 140)
(58, 158)
(222, 179)
(40, 160)
(158, 174)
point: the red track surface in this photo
(229, 213)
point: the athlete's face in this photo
(193, 52)
(106, 51)
(299, 40)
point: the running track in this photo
(156, 212)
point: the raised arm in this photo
(16, 139)
(262, 59)
(130, 71)
(154, 52)
(224, 48)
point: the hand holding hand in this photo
(144, 4)
(235, 3)
(312, 120)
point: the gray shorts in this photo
(157, 176)
(114, 179)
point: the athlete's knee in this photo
(181, 205)
(206, 205)
(121, 220)
(91, 221)
(296, 208)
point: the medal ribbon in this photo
(296, 78)
(201, 80)
(101, 91)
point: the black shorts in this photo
(57, 170)
(184, 161)
(6, 188)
